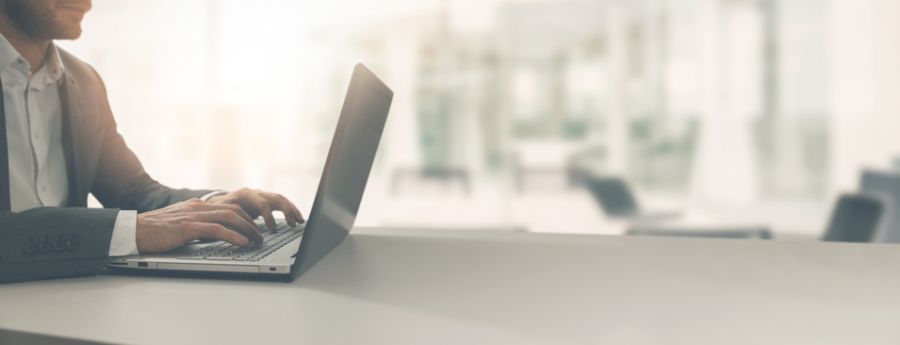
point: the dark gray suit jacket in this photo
(49, 242)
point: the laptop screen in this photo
(347, 167)
(614, 196)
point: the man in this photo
(59, 142)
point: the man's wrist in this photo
(210, 195)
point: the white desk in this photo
(404, 287)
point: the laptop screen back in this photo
(614, 196)
(855, 219)
(347, 167)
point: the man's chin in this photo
(68, 25)
(68, 33)
(72, 36)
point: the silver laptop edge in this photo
(336, 203)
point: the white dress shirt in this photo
(37, 167)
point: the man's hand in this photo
(171, 227)
(259, 203)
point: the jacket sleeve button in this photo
(29, 249)
(45, 246)
(60, 245)
(73, 243)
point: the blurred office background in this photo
(751, 110)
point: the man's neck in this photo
(34, 51)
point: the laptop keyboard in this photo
(272, 241)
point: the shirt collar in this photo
(50, 73)
(8, 54)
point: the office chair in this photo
(855, 218)
(884, 184)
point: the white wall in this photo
(725, 167)
(865, 86)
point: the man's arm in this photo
(121, 180)
(46, 243)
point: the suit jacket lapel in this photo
(4, 158)
(78, 141)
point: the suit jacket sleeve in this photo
(121, 181)
(47, 242)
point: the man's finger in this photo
(262, 207)
(295, 211)
(282, 204)
(219, 232)
(233, 220)
(237, 209)
(299, 214)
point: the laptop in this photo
(290, 251)
(617, 201)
